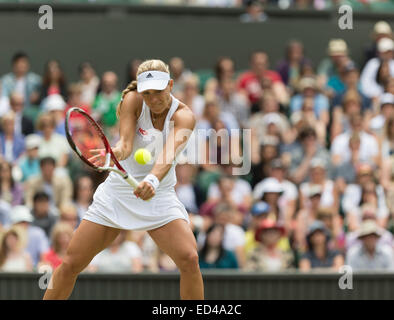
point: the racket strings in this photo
(84, 134)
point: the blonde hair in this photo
(147, 65)
(10, 115)
(59, 228)
(68, 208)
(44, 117)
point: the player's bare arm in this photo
(129, 112)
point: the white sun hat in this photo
(54, 102)
(21, 214)
(385, 44)
(152, 80)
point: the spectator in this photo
(307, 216)
(121, 256)
(370, 256)
(233, 190)
(5, 211)
(224, 69)
(53, 81)
(213, 255)
(306, 148)
(353, 197)
(74, 164)
(23, 125)
(338, 57)
(387, 174)
(58, 187)
(378, 70)
(268, 256)
(192, 97)
(234, 235)
(60, 238)
(254, 12)
(4, 102)
(75, 98)
(290, 67)
(306, 117)
(30, 163)
(179, 74)
(351, 105)
(289, 198)
(250, 82)
(22, 81)
(319, 255)
(368, 212)
(265, 153)
(44, 217)
(148, 250)
(231, 101)
(10, 190)
(55, 106)
(83, 194)
(224, 191)
(269, 114)
(68, 214)
(318, 177)
(184, 188)
(381, 30)
(213, 118)
(37, 242)
(334, 224)
(105, 103)
(13, 256)
(12, 144)
(89, 83)
(345, 173)
(259, 211)
(53, 144)
(308, 89)
(377, 123)
(369, 148)
(388, 139)
(351, 82)
(270, 190)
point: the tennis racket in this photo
(85, 136)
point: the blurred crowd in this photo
(320, 192)
(282, 4)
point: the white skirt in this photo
(115, 205)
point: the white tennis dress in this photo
(114, 203)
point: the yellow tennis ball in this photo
(142, 156)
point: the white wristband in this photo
(153, 180)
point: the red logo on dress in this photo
(142, 131)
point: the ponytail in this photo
(131, 87)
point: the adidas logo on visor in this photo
(149, 76)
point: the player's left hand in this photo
(144, 190)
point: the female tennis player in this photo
(145, 113)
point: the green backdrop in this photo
(110, 36)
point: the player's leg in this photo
(177, 240)
(89, 239)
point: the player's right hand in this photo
(144, 190)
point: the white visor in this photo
(152, 80)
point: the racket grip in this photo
(134, 183)
(131, 181)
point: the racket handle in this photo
(131, 181)
(134, 183)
